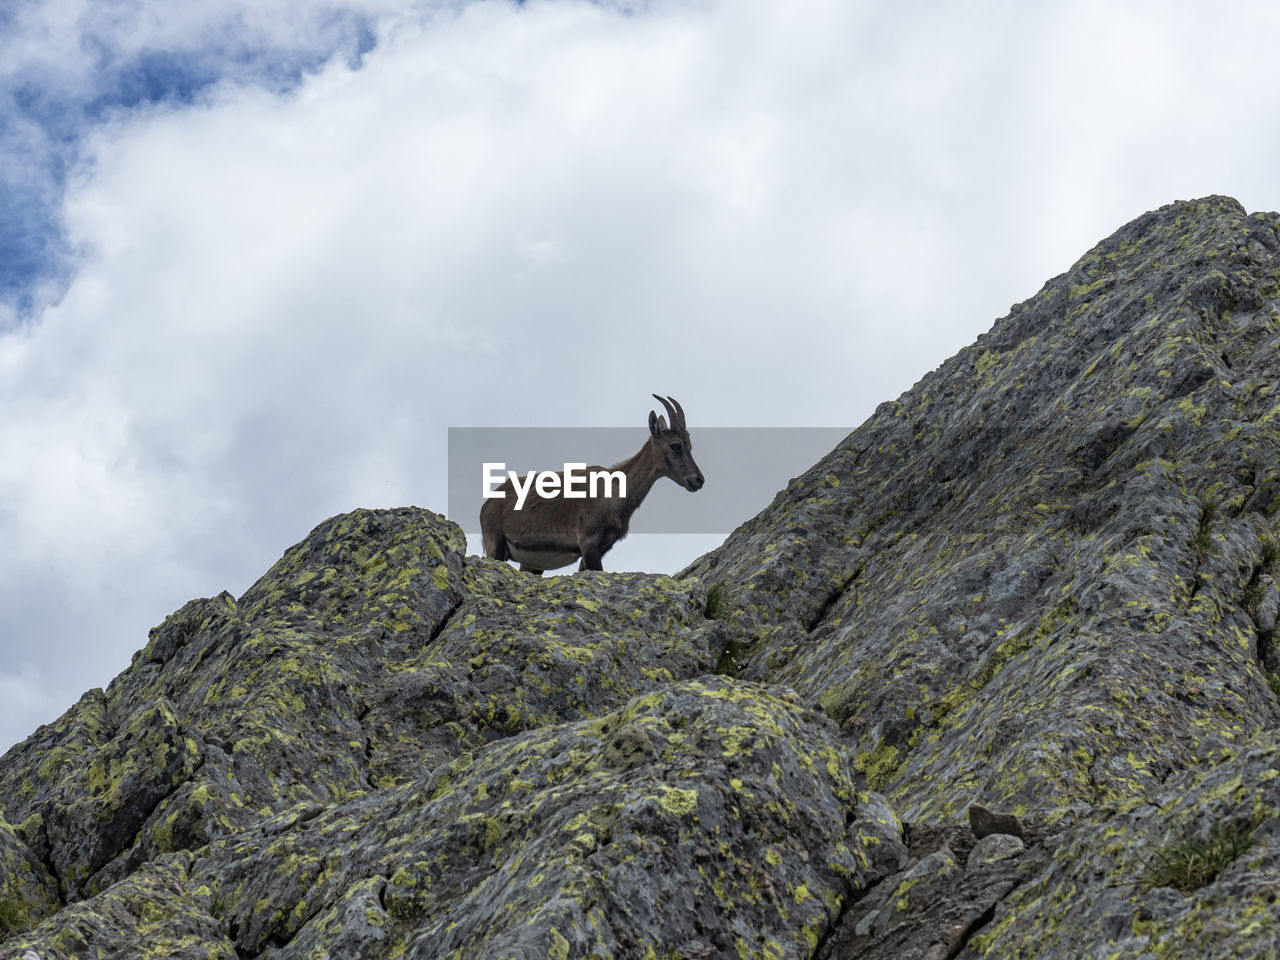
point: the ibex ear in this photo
(656, 425)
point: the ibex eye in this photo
(677, 447)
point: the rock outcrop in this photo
(997, 677)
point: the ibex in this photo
(551, 533)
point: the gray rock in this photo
(993, 847)
(929, 910)
(986, 822)
(1104, 889)
(26, 885)
(739, 829)
(1024, 582)
(152, 913)
(1043, 581)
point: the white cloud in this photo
(69, 42)
(781, 214)
(28, 702)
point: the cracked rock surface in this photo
(1043, 574)
(1040, 586)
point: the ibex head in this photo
(672, 447)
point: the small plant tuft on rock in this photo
(716, 603)
(1256, 590)
(13, 917)
(1273, 681)
(1254, 594)
(1203, 538)
(1270, 558)
(1194, 863)
(727, 664)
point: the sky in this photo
(257, 256)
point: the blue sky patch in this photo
(45, 117)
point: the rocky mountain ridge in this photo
(1040, 582)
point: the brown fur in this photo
(553, 532)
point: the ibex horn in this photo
(674, 414)
(679, 411)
